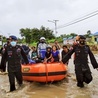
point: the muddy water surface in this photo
(64, 89)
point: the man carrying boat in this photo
(82, 70)
(13, 54)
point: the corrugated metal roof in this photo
(96, 33)
(69, 38)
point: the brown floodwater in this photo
(64, 89)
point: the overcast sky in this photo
(17, 14)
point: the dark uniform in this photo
(82, 70)
(13, 56)
(2, 50)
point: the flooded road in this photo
(64, 89)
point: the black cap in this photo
(13, 37)
(82, 37)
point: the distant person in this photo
(82, 70)
(57, 45)
(13, 54)
(5, 45)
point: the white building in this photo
(69, 40)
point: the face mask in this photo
(82, 42)
(13, 43)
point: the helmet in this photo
(42, 38)
(13, 37)
(82, 37)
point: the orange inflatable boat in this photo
(41, 72)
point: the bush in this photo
(33, 44)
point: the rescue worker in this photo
(5, 45)
(42, 48)
(13, 54)
(82, 70)
(2, 50)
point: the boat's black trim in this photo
(45, 74)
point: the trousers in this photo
(12, 76)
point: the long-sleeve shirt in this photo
(42, 50)
(81, 55)
(13, 56)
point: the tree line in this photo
(33, 35)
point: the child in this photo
(48, 55)
(55, 54)
(34, 53)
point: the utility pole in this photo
(55, 22)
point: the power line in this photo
(82, 17)
(79, 19)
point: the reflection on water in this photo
(63, 89)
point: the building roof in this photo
(96, 33)
(69, 38)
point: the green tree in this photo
(33, 35)
(88, 34)
(63, 36)
(27, 34)
(73, 34)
